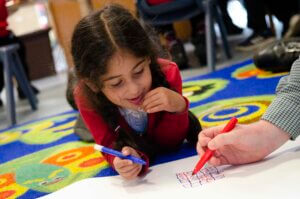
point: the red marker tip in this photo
(209, 153)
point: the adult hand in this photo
(244, 144)
(163, 99)
(126, 168)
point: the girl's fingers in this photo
(132, 173)
(149, 100)
(156, 109)
(120, 163)
(128, 168)
(152, 104)
(151, 93)
(126, 150)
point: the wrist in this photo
(183, 106)
(271, 135)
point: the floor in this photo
(52, 89)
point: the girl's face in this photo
(127, 80)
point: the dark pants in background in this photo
(12, 39)
(257, 10)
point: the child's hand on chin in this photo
(163, 99)
(126, 168)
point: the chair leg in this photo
(22, 81)
(209, 31)
(223, 32)
(10, 100)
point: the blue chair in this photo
(12, 67)
(167, 13)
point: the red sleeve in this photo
(173, 127)
(101, 132)
(3, 19)
(157, 2)
(3, 11)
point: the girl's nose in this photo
(133, 88)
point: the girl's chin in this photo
(135, 107)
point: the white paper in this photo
(278, 176)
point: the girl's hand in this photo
(244, 144)
(163, 99)
(126, 168)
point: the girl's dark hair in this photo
(96, 38)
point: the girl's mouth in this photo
(137, 100)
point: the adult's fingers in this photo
(217, 161)
(203, 139)
(214, 161)
(222, 140)
(199, 148)
(213, 131)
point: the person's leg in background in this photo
(12, 39)
(280, 55)
(22, 55)
(284, 12)
(198, 37)
(1, 81)
(262, 34)
(80, 128)
(230, 27)
(3, 42)
(174, 45)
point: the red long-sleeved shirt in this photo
(3, 19)
(168, 130)
(157, 2)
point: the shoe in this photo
(194, 129)
(176, 49)
(233, 29)
(294, 27)
(256, 41)
(82, 131)
(279, 56)
(22, 95)
(200, 48)
(1, 103)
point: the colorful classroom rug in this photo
(42, 156)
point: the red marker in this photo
(209, 153)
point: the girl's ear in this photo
(91, 85)
(149, 60)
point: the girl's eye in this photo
(139, 72)
(116, 84)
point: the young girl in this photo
(129, 99)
